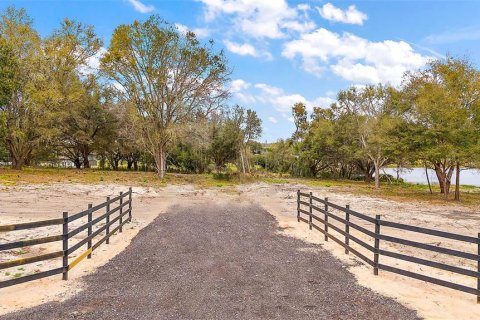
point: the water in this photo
(417, 175)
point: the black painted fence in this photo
(113, 219)
(309, 205)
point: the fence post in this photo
(108, 221)
(65, 246)
(347, 228)
(326, 219)
(377, 244)
(130, 203)
(89, 246)
(478, 268)
(121, 210)
(310, 215)
(298, 205)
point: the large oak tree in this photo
(170, 77)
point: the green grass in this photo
(470, 195)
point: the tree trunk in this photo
(19, 153)
(17, 164)
(377, 174)
(85, 154)
(160, 161)
(243, 161)
(428, 179)
(449, 179)
(368, 176)
(129, 164)
(444, 174)
(457, 181)
(77, 163)
(135, 165)
(440, 177)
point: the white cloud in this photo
(199, 32)
(93, 62)
(274, 97)
(351, 16)
(283, 103)
(246, 49)
(354, 58)
(323, 102)
(261, 19)
(272, 119)
(239, 85)
(140, 7)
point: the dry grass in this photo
(470, 196)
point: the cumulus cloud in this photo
(246, 49)
(239, 89)
(239, 85)
(351, 16)
(140, 7)
(283, 102)
(354, 58)
(261, 19)
(199, 32)
(274, 97)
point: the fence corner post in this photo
(89, 245)
(65, 246)
(298, 205)
(107, 222)
(130, 204)
(310, 213)
(121, 211)
(347, 228)
(377, 245)
(478, 268)
(325, 226)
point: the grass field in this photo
(470, 195)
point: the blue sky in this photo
(286, 51)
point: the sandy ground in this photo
(431, 301)
(30, 203)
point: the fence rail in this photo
(68, 231)
(307, 207)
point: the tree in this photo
(443, 100)
(251, 129)
(76, 100)
(169, 76)
(300, 119)
(21, 52)
(372, 107)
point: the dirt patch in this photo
(30, 203)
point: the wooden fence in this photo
(112, 223)
(324, 207)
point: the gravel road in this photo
(220, 262)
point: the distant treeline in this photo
(431, 120)
(158, 96)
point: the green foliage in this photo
(171, 78)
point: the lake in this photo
(417, 175)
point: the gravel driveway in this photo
(220, 262)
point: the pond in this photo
(417, 175)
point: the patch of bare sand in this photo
(431, 301)
(30, 203)
(40, 202)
